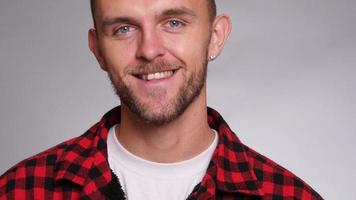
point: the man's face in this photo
(155, 52)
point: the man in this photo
(162, 142)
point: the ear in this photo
(221, 29)
(94, 47)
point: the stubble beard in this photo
(187, 93)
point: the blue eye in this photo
(123, 29)
(175, 23)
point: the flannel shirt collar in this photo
(230, 166)
(83, 160)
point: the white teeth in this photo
(157, 75)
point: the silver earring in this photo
(211, 58)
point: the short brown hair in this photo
(211, 10)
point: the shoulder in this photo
(37, 171)
(277, 181)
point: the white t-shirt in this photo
(145, 180)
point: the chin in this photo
(159, 115)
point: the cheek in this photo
(192, 44)
(118, 56)
(189, 50)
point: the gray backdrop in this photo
(285, 82)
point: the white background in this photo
(285, 83)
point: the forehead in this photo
(146, 8)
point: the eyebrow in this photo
(183, 11)
(116, 20)
(178, 12)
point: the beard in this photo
(168, 111)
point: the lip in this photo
(143, 72)
(163, 82)
(156, 75)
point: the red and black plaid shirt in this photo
(78, 169)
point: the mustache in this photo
(153, 67)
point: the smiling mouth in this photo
(156, 75)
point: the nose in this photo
(150, 45)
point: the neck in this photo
(179, 140)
